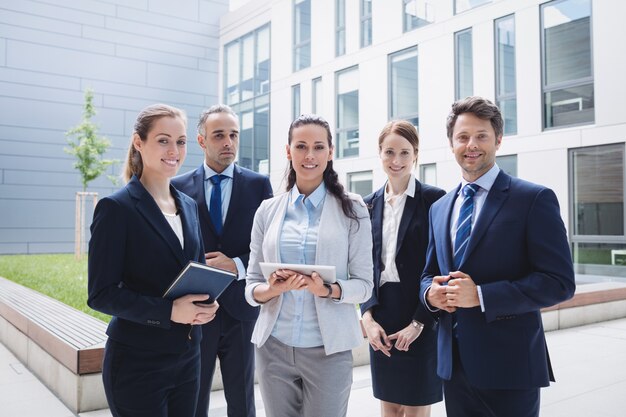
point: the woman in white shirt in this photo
(307, 328)
(403, 366)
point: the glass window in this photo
(508, 164)
(597, 209)
(462, 5)
(262, 64)
(347, 85)
(417, 13)
(428, 174)
(360, 182)
(316, 106)
(340, 27)
(464, 79)
(246, 90)
(403, 97)
(568, 91)
(231, 95)
(295, 101)
(506, 92)
(366, 23)
(301, 34)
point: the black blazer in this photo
(133, 257)
(411, 246)
(249, 189)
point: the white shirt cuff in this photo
(426, 302)
(480, 298)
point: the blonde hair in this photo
(145, 120)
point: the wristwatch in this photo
(417, 324)
(330, 290)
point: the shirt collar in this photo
(410, 189)
(228, 172)
(315, 198)
(486, 180)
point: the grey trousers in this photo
(303, 382)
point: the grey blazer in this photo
(342, 243)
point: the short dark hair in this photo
(479, 107)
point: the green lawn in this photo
(59, 276)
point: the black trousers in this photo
(145, 383)
(464, 400)
(228, 339)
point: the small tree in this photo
(87, 146)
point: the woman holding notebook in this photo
(141, 237)
(307, 327)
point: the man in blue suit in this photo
(226, 235)
(498, 253)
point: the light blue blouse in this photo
(297, 323)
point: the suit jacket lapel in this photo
(378, 203)
(190, 231)
(408, 214)
(234, 196)
(496, 197)
(148, 208)
(442, 228)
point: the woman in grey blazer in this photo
(307, 328)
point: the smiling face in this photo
(474, 144)
(220, 141)
(398, 156)
(164, 150)
(309, 154)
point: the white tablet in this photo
(327, 272)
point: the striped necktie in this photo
(464, 224)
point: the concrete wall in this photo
(132, 53)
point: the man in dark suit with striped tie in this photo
(228, 196)
(498, 253)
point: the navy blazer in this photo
(519, 255)
(410, 248)
(134, 255)
(249, 189)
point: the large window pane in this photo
(403, 89)
(417, 13)
(247, 86)
(598, 190)
(464, 85)
(506, 93)
(428, 174)
(508, 164)
(317, 96)
(262, 73)
(301, 34)
(360, 183)
(231, 95)
(347, 112)
(366, 23)
(340, 27)
(567, 63)
(463, 5)
(295, 101)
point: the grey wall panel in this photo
(50, 24)
(55, 39)
(23, 77)
(76, 63)
(63, 14)
(132, 53)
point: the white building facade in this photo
(555, 68)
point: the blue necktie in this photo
(464, 224)
(215, 205)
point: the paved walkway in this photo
(589, 362)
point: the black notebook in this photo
(197, 278)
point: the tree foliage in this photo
(87, 146)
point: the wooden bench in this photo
(59, 344)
